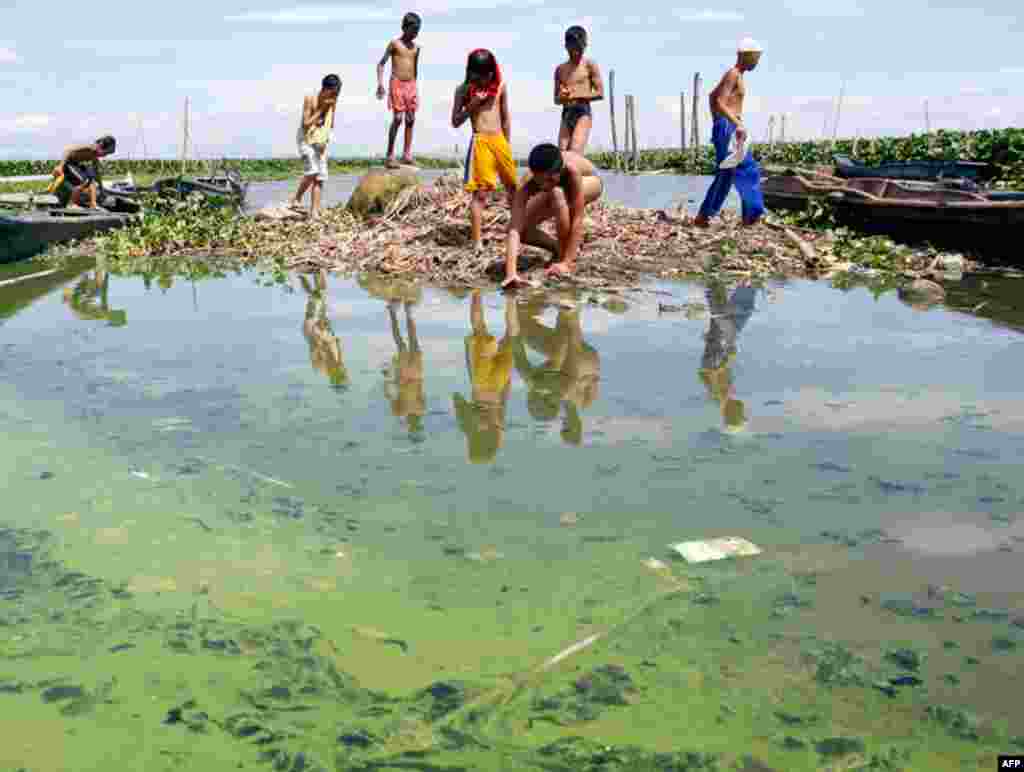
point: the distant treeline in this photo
(1004, 148)
(249, 167)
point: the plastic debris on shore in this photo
(715, 549)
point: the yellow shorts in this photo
(490, 363)
(490, 157)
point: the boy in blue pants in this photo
(727, 110)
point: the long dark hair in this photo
(481, 62)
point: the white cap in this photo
(749, 45)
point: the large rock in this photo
(922, 293)
(378, 188)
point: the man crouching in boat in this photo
(561, 184)
(80, 167)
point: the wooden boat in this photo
(984, 222)
(923, 170)
(28, 232)
(898, 202)
(230, 186)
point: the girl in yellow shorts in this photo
(483, 99)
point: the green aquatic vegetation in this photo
(958, 723)
(836, 665)
(602, 687)
(250, 168)
(1003, 148)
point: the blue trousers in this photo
(746, 177)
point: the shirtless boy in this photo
(317, 113)
(577, 84)
(727, 110)
(483, 99)
(403, 99)
(80, 167)
(560, 186)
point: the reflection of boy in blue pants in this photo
(727, 109)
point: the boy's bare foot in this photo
(408, 161)
(559, 269)
(391, 163)
(515, 282)
(700, 221)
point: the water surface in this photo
(342, 524)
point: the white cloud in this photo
(689, 15)
(8, 56)
(327, 14)
(26, 123)
(314, 15)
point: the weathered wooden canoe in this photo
(898, 201)
(926, 169)
(29, 232)
(226, 186)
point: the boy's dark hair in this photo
(545, 158)
(576, 37)
(411, 20)
(479, 63)
(107, 143)
(331, 81)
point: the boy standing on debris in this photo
(80, 166)
(403, 99)
(483, 99)
(560, 187)
(312, 138)
(727, 110)
(577, 84)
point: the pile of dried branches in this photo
(425, 233)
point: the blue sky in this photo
(126, 69)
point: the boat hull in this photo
(24, 234)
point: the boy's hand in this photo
(380, 92)
(741, 133)
(564, 92)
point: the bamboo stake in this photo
(185, 139)
(625, 127)
(636, 152)
(615, 133)
(682, 121)
(839, 110)
(695, 118)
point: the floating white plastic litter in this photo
(715, 549)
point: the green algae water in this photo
(365, 526)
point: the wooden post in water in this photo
(617, 163)
(184, 139)
(626, 133)
(771, 132)
(782, 130)
(695, 121)
(682, 122)
(636, 153)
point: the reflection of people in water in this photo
(489, 362)
(406, 391)
(570, 376)
(324, 346)
(88, 299)
(729, 314)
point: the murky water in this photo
(376, 527)
(654, 191)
